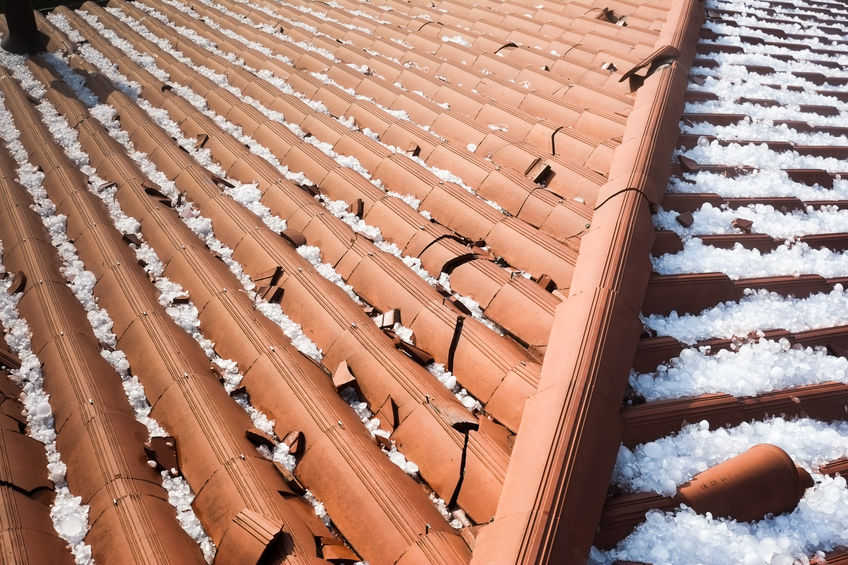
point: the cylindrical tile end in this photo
(761, 481)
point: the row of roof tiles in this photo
(695, 292)
(529, 106)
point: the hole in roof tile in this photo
(388, 413)
(153, 191)
(343, 376)
(163, 450)
(271, 277)
(310, 188)
(540, 172)
(221, 182)
(259, 438)
(271, 294)
(420, 356)
(295, 441)
(357, 208)
(546, 282)
(18, 283)
(608, 15)
(294, 237)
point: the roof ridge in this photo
(548, 507)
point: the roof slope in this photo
(386, 259)
(744, 314)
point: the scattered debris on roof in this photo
(296, 281)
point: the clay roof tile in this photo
(489, 145)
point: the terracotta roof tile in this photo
(476, 179)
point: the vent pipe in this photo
(24, 36)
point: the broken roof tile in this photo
(476, 179)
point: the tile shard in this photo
(163, 450)
(251, 536)
(659, 58)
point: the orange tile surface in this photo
(477, 182)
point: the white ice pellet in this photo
(753, 365)
(788, 259)
(751, 369)
(756, 311)
(683, 537)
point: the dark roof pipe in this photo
(24, 36)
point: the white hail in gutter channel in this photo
(748, 370)
(69, 515)
(82, 283)
(337, 208)
(185, 315)
(758, 310)
(766, 220)
(753, 365)
(787, 259)
(272, 311)
(762, 183)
